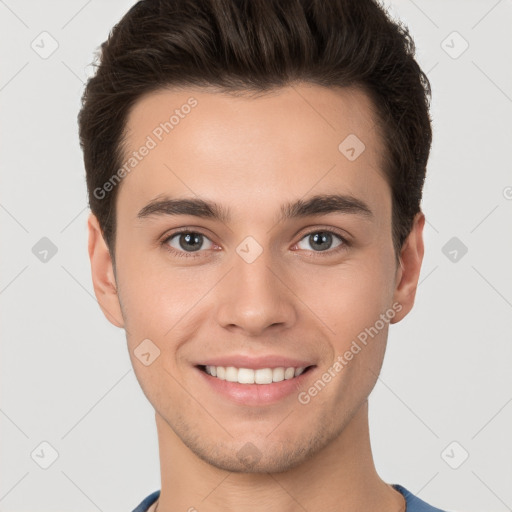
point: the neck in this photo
(340, 477)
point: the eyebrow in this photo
(316, 205)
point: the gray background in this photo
(66, 376)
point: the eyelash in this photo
(183, 254)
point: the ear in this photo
(102, 271)
(411, 257)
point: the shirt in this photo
(414, 504)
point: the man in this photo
(255, 172)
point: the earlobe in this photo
(103, 274)
(411, 258)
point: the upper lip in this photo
(244, 361)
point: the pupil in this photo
(319, 238)
(190, 239)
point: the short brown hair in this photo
(260, 45)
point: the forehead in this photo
(252, 149)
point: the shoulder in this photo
(144, 505)
(415, 504)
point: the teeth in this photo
(249, 376)
(231, 374)
(263, 376)
(289, 373)
(246, 376)
(278, 374)
(298, 371)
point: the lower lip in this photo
(256, 394)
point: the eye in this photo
(323, 240)
(185, 242)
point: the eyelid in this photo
(168, 236)
(186, 229)
(343, 246)
(342, 235)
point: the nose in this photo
(254, 297)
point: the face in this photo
(288, 263)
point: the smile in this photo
(250, 376)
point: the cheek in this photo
(358, 309)
(158, 305)
(349, 298)
(159, 301)
(154, 303)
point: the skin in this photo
(252, 154)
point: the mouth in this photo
(258, 381)
(259, 376)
